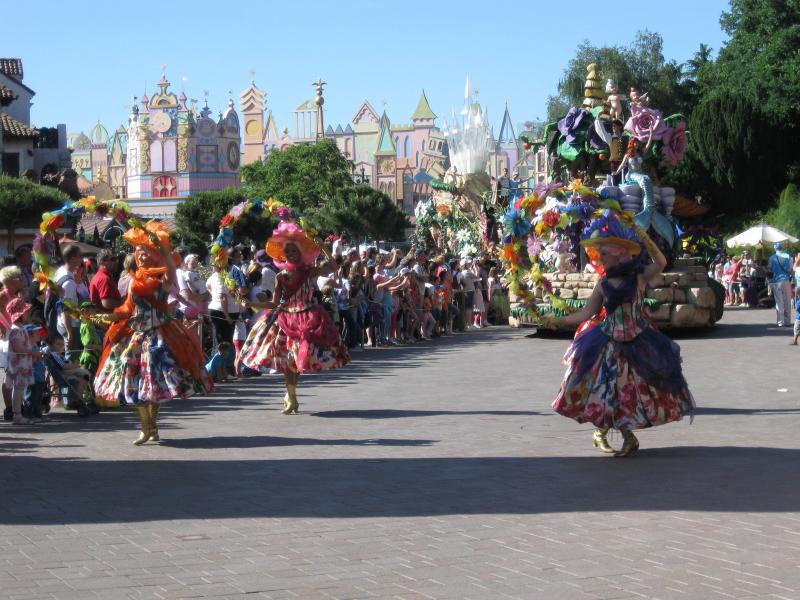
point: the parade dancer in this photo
(297, 335)
(149, 357)
(621, 372)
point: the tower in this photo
(506, 148)
(99, 152)
(386, 160)
(423, 116)
(253, 104)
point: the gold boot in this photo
(144, 419)
(629, 445)
(599, 440)
(154, 408)
(292, 405)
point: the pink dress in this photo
(20, 366)
(299, 337)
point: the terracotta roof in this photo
(14, 129)
(11, 66)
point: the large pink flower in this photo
(643, 121)
(675, 143)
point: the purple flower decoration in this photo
(595, 141)
(570, 124)
(535, 245)
(608, 225)
(542, 189)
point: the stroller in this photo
(76, 391)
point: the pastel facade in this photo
(167, 152)
(173, 153)
(399, 160)
(24, 148)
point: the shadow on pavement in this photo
(688, 478)
(265, 441)
(400, 414)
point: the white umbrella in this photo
(760, 234)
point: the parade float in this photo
(611, 150)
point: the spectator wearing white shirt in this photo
(267, 273)
(68, 327)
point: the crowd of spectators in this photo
(376, 297)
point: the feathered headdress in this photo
(608, 229)
(154, 234)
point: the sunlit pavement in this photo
(431, 471)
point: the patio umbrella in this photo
(760, 234)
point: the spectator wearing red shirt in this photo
(103, 291)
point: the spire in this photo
(423, 111)
(507, 135)
(385, 143)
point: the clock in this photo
(386, 166)
(233, 155)
(161, 122)
(253, 127)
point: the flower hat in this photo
(16, 309)
(290, 232)
(608, 229)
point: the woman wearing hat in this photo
(621, 372)
(297, 336)
(149, 357)
(19, 371)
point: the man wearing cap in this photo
(780, 268)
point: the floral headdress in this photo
(288, 231)
(608, 229)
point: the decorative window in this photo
(170, 156)
(207, 159)
(164, 187)
(156, 158)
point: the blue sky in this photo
(87, 60)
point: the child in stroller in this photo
(74, 383)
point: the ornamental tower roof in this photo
(423, 111)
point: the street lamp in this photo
(362, 177)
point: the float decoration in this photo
(549, 213)
(45, 244)
(220, 247)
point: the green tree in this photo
(641, 65)
(304, 176)
(744, 129)
(761, 59)
(363, 212)
(23, 202)
(197, 220)
(315, 180)
(786, 215)
(742, 149)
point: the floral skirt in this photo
(623, 385)
(141, 369)
(268, 346)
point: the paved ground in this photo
(436, 471)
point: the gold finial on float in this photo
(592, 88)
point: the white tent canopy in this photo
(760, 234)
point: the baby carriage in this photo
(74, 388)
